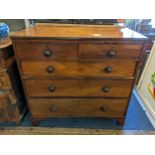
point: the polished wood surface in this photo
(5, 43)
(61, 51)
(38, 50)
(77, 69)
(12, 101)
(78, 107)
(69, 131)
(102, 51)
(74, 65)
(5, 83)
(78, 88)
(77, 32)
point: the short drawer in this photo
(77, 107)
(78, 88)
(47, 51)
(76, 69)
(102, 51)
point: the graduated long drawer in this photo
(78, 88)
(107, 68)
(77, 107)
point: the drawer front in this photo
(77, 107)
(78, 88)
(102, 51)
(74, 69)
(47, 51)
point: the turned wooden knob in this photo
(53, 108)
(111, 53)
(47, 53)
(52, 88)
(108, 69)
(102, 109)
(105, 89)
(50, 69)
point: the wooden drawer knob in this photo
(106, 89)
(47, 53)
(50, 69)
(111, 53)
(53, 108)
(102, 109)
(52, 88)
(108, 69)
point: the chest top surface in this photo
(75, 31)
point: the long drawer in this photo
(102, 51)
(47, 51)
(78, 88)
(77, 107)
(74, 69)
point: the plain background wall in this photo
(14, 24)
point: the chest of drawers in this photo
(77, 70)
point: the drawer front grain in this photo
(102, 51)
(78, 88)
(77, 107)
(77, 69)
(47, 51)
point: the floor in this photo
(135, 120)
(69, 131)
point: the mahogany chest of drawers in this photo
(78, 70)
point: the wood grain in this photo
(5, 43)
(69, 131)
(36, 50)
(77, 32)
(12, 101)
(78, 69)
(100, 51)
(5, 83)
(80, 54)
(77, 107)
(78, 88)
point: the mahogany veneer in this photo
(78, 70)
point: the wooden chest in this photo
(12, 99)
(78, 70)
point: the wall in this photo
(14, 24)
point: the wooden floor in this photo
(68, 131)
